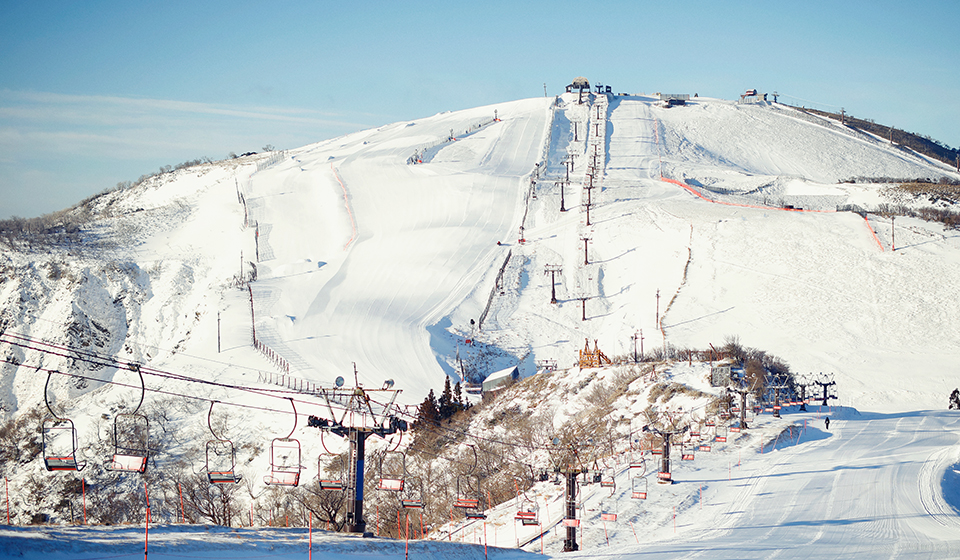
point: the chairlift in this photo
(686, 454)
(528, 512)
(335, 483)
(411, 497)
(468, 496)
(637, 462)
(608, 478)
(221, 457)
(608, 509)
(131, 433)
(721, 436)
(285, 458)
(468, 492)
(60, 440)
(392, 477)
(638, 488)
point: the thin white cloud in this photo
(45, 106)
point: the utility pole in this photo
(544, 89)
(893, 233)
(843, 116)
(585, 240)
(634, 338)
(358, 402)
(552, 270)
(583, 306)
(658, 309)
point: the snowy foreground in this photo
(873, 486)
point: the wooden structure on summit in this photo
(592, 358)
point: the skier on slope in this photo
(827, 422)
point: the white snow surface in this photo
(363, 258)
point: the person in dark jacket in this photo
(827, 422)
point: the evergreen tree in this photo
(446, 405)
(427, 413)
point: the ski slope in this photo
(364, 260)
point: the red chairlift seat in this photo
(392, 470)
(284, 468)
(221, 459)
(282, 478)
(639, 488)
(527, 517)
(60, 445)
(391, 484)
(131, 436)
(411, 497)
(466, 503)
(223, 477)
(127, 463)
(608, 509)
(285, 458)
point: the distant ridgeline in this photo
(920, 144)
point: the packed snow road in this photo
(873, 486)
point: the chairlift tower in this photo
(360, 417)
(552, 270)
(664, 476)
(743, 392)
(825, 381)
(778, 384)
(570, 466)
(803, 381)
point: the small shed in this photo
(500, 379)
(580, 84)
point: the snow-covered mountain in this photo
(423, 249)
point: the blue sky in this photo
(97, 92)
